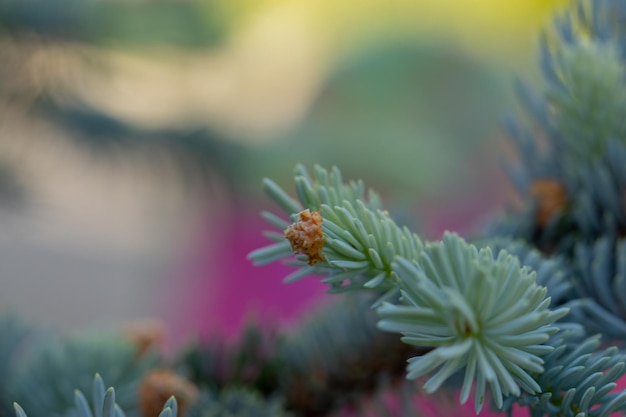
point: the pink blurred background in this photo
(134, 137)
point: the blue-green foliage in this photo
(337, 355)
(13, 343)
(103, 404)
(577, 134)
(601, 278)
(552, 272)
(18, 337)
(361, 239)
(45, 382)
(250, 361)
(235, 402)
(482, 314)
(322, 339)
(490, 315)
(577, 138)
(579, 380)
(588, 101)
(326, 188)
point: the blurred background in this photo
(134, 136)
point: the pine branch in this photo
(360, 241)
(45, 381)
(579, 380)
(103, 404)
(571, 171)
(480, 314)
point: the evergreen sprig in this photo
(103, 404)
(360, 240)
(572, 171)
(589, 100)
(601, 282)
(572, 144)
(481, 314)
(552, 272)
(45, 382)
(487, 315)
(579, 380)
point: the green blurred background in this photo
(132, 133)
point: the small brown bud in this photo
(146, 334)
(306, 236)
(551, 198)
(158, 386)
